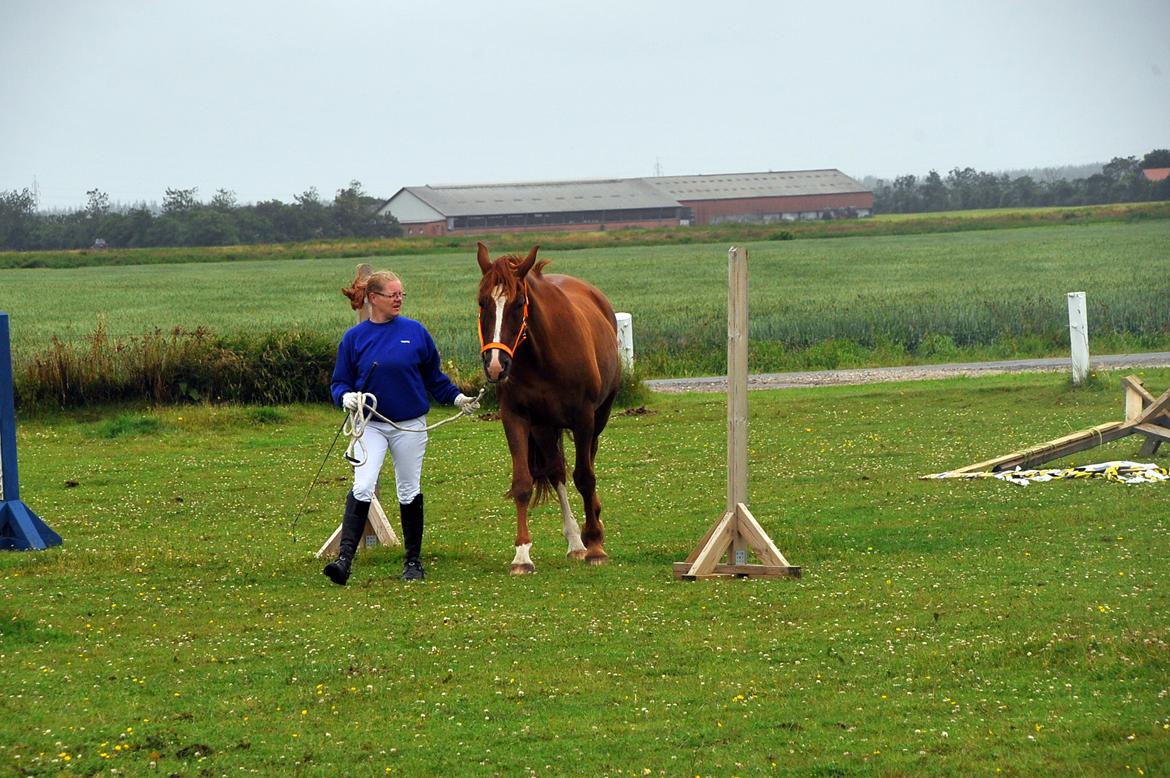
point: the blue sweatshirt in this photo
(408, 367)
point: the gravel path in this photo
(873, 375)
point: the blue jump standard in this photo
(20, 528)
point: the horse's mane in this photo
(503, 273)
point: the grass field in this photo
(885, 224)
(940, 628)
(835, 302)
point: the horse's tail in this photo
(541, 489)
(546, 463)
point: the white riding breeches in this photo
(406, 451)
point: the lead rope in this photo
(355, 424)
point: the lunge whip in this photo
(301, 511)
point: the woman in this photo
(394, 359)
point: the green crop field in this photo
(940, 628)
(831, 302)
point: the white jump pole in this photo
(1078, 333)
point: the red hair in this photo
(362, 285)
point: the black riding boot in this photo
(412, 533)
(352, 526)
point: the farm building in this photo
(628, 202)
(768, 197)
(552, 205)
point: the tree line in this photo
(184, 220)
(1122, 180)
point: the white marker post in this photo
(625, 335)
(1078, 333)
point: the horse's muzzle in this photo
(496, 365)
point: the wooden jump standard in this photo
(1144, 415)
(737, 531)
(377, 529)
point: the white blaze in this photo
(498, 296)
(494, 366)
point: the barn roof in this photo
(725, 186)
(542, 197)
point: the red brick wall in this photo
(706, 210)
(592, 227)
(430, 228)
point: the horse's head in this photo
(503, 310)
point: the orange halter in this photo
(521, 336)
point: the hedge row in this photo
(181, 366)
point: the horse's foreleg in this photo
(572, 533)
(593, 533)
(522, 562)
(521, 493)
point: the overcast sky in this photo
(270, 98)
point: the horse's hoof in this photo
(524, 569)
(578, 554)
(597, 560)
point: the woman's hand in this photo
(351, 401)
(466, 404)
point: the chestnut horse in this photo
(549, 343)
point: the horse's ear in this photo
(528, 262)
(484, 259)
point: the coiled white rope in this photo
(1121, 472)
(355, 424)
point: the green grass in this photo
(837, 302)
(940, 628)
(886, 224)
(127, 424)
(268, 415)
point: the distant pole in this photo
(1078, 333)
(20, 528)
(737, 356)
(625, 335)
(737, 400)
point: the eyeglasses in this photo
(392, 295)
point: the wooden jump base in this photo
(737, 531)
(1144, 415)
(377, 529)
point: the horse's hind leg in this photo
(584, 476)
(572, 533)
(593, 533)
(546, 463)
